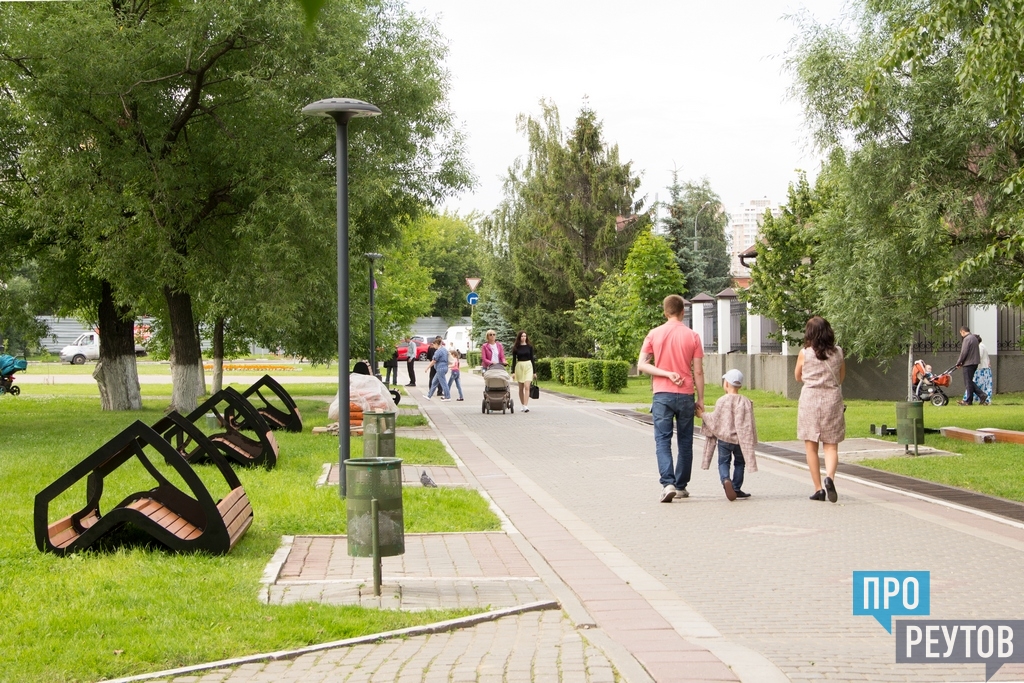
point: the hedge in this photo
(543, 369)
(581, 373)
(473, 359)
(616, 376)
(595, 374)
(557, 366)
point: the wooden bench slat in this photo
(969, 435)
(1004, 435)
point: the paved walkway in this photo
(697, 590)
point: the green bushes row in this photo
(473, 359)
(604, 375)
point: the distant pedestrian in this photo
(969, 360)
(391, 369)
(439, 366)
(731, 427)
(822, 369)
(523, 362)
(456, 368)
(492, 352)
(410, 361)
(431, 350)
(672, 354)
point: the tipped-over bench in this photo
(289, 419)
(170, 516)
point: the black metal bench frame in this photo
(261, 451)
(276, 418)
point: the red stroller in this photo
(928, 386)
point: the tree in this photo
(453, 250)
(166, 142)
(554, 233)
(707, 268)
(911, 196)
(783, 283)
(629, 304)
(487, 316)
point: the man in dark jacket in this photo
(969, 359)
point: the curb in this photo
(426, 629)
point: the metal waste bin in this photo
(374, 481)
(379, 435)
(910, 422)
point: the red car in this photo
(421, 349)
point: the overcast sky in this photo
(696, 86)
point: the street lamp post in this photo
(342, 111)
(371, 257)
(706, 205)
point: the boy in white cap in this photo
(731, 427)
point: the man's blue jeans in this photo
(731, 452)
(665, 408)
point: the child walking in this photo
(454, 366)
(731, 427)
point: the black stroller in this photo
(8, 366)
(496, 393)
(928, 386)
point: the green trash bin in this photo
(379, 435)
(910, 422)
(372, 479)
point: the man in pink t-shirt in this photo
(672, 355)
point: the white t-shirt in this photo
(983, 352)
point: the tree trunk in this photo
(116, 372)
(189, 383)
(218, 355)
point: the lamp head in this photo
(341, 109)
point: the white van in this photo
(458, 337)
(87, 347)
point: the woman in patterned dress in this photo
(822, 368)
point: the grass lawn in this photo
(131, 610)
(994, 469)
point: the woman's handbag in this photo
(534, 391)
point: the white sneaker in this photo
(445, 399)
(668, 494)
(526, 410)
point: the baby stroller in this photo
(496, 393)
(928, 386)
(8, 366)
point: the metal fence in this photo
(942, 332)
(1009, 331)
(768, 344)
(711, 329)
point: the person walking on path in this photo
(410, 362)
(970, 358)
(822, 369)
(672, 354)
(455, 364)
(731, 427)
(439, 365)
(431, 350)
(492, 352)
(523, 362)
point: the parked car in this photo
(421, 348)
(87, 347)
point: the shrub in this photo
(581, 373)
(616, 375)
(558, 370)
(595, 373)
(473, 359)
(543, 369)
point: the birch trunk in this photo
(116, 372)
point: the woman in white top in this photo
(983, 375)
(492, 352)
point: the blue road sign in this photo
(472, 298)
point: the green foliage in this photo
(553, 236)
(487, 316)
(452, 250)
(595, 373)
(616, 376)
(543, 369)
(629, 304)
(473, 359)
(782, 279)
(185, 153)
(20, 332)
(581, 373)
(696, 205)
(558, 370)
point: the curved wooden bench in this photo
(290, 421)
(230, 409)
(177, 520)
